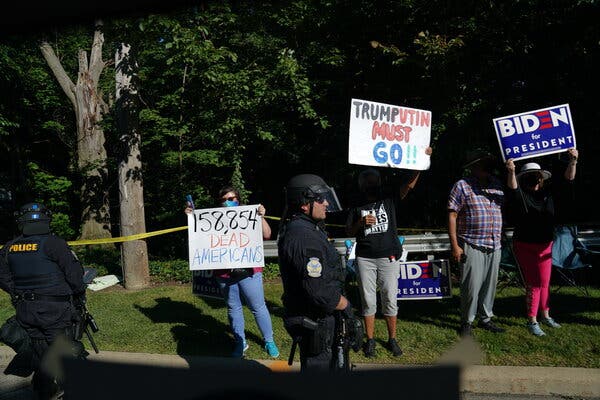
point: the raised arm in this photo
(572, 166)
(412, 182)
(511, 179)
(266, 228)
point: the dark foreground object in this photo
(124, 381)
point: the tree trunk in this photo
(91, 154)
(131, 193)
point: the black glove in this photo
(356, 333)
(79, 301)
(347, 312)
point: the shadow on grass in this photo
(442, 313)
(565, 307)
(195, 333)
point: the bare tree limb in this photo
(96, 64)
(59, 72)
(83, 61)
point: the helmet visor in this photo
(323, 193)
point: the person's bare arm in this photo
(412, 182)
(572, 166)
(457, 251)
(266, 228)
(511, 179)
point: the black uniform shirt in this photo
(310, 270)
(47, 264)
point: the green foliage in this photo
(169, 271)
(271, 271)
(106, 260)
(254, 92)
(52, 192)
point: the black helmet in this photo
(34, 219)
(306, 188)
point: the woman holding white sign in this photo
(245, 283)
(534, 215)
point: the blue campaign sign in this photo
(423, 280)
(204, 284)
(533, 133)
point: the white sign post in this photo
(385, 135)
(225, 237)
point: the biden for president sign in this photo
(422, 280)
(535, 133)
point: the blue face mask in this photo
(230, 203)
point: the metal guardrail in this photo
(430, 243)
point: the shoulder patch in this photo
(314, 267)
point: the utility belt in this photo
(312, 333)
(29, 296)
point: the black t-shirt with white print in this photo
(379, 240)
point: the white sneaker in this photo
(550, 322)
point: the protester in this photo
(378, 253)
(532, 202)
(475, 229)
(246, 283)
(45, 281)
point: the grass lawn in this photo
(169, 319)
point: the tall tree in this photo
(91, 154)
(131, 193)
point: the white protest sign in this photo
(385, 135)
(225, 237)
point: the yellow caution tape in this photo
(141, 236)
(129, 238)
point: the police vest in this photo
(32, 269)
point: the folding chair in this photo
(509, 273)
(568, 256)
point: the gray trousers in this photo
(479, 276)
(382, 273)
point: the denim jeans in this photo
(251, 290)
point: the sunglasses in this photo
(232, 198)
(320, 200)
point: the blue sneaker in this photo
(550, 322)
(240, 349)
(272, 349)
(534, 329)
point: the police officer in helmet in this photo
(45, 281)
(311, 273)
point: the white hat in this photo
(534, 167)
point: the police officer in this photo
(311, 273)
(45, 281)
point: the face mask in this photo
(373, 190)
(230, 203)
(530, 180)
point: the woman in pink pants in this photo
(533, 210)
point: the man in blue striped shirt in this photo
(475, 229)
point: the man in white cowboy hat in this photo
(475, 229)
(533, 208)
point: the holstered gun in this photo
(297, 327)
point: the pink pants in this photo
(535, 260)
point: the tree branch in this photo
(59, 72)
(96, 63)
